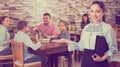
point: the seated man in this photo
(21, 36)
(47, 28)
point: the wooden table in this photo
(51, 48)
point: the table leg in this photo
(70, 59)
(75, 55)
(43, 59)
(49, 60)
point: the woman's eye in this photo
(91, 11)
(98, 11)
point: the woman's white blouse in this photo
(4, 37)
(88, 38)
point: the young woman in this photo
(64, 35)
(98, 39)
(5, 41)
(85, 20)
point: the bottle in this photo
(72, 27)
(69, 27)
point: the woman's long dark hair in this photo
(88, 21)
(102, 6)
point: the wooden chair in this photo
(63, 60)
(115, 61)
(18, 56)
(117, 30)
(7, 58)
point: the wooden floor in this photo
(76, 64)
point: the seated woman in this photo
(5, 41)
(21, 36)
(64, 35)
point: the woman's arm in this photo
(27, 41)
(76, 46)
(112, 44)
(3, 35)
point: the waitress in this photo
(98, 39)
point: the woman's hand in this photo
(55, 40)
(60, 41)
(98, 58)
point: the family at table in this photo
(96, 53)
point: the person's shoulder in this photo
(2, 28)
(52, 23)
(41, 24)
(67, 32)
(106, 27)
(87, 25)
(20, 33)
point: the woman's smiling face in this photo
(6, 22)
(96, 13)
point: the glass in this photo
(33, 38)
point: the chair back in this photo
(118, 37)
(6, 57)
(73, 37)
(115, 62)
(3, 59)
(18, 52)
(118, 33)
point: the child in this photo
(64, 35)
(21, 36)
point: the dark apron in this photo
(100, 48)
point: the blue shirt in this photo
(64, 34)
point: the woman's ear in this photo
(103, 13)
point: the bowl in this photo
(45, 40)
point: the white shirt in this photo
(88, 38)
(23, 37)
(4, 37)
